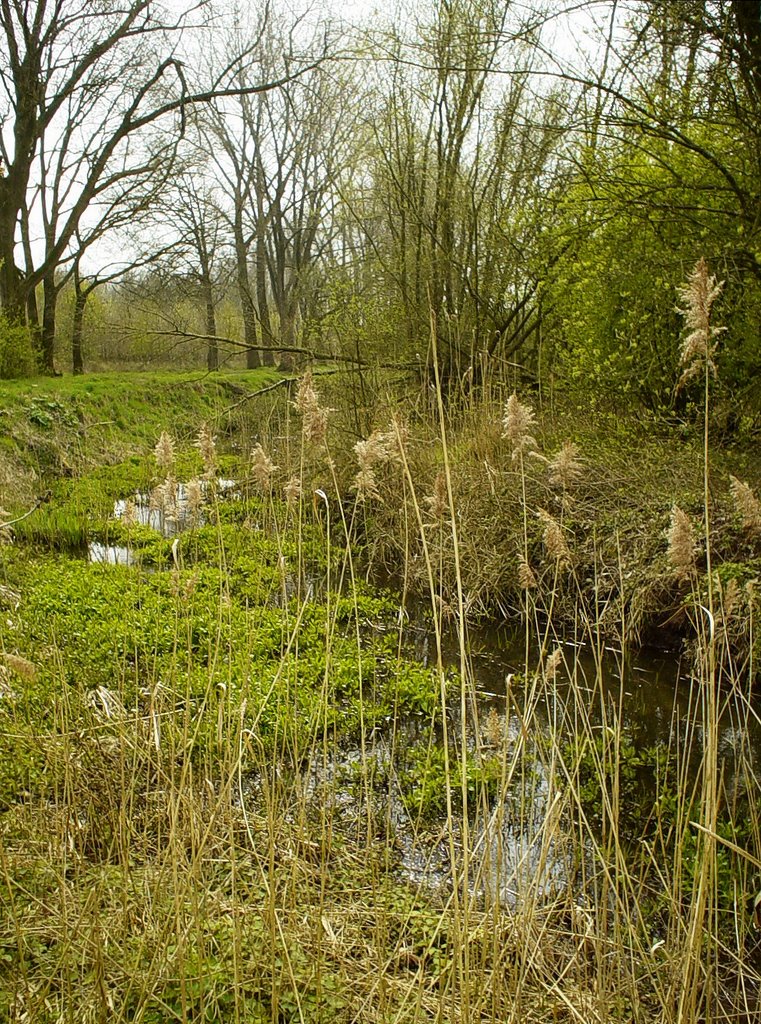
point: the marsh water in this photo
(514, 710)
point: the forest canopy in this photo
(267, 186)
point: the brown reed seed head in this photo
(517, 422)
(23, 668)
(130, 515)
(698, 347)
(314, 423)
(6, 532)
(169, 500)
(731, 599)
(565, 467)
(292, 491)
(438, 502)
(682, 550)
(194, 495)
(164, 452)
(747, 505)
(366, 484)
(208, 449)
(526, 577)
(164, 498)
(553, 663)
(306, 394)
(494, 731)
(375, 450)
(554, 541)
(262, 468)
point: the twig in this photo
(40, 501)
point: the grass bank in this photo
(66, 426)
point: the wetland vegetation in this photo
(379, 596)
(258, 772)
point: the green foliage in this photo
(628, 234)
(617, 771)
(16, 352)
(423, 780)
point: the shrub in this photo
(16, 353)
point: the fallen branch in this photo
(40, 501)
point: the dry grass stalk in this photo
(554, 541)
(565, 467)
(438, 502)
(165, 452)
(208, 449)
(747, 505)
(517, 423)
(682, 550)
(262, 468)
(698, 347)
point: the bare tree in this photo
(71, 56)
(278, 156)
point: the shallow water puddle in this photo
(146, 514)
(109, 554)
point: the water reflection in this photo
(109, 554)
(145, 513)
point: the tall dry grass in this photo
(305, 880)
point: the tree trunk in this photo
(12, 294)
(80, 301)
(262, 300)
(49, 300)
(212, 352)
(248, 310)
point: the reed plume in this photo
(526, 577)
(517, 422)
(208, 449)
(438, 502)
(373, 451)
(194, 495)
(553, 664)
(6, 531)
(164, 499)
(698, 347)
(292, 491)
(130, 515)
(554, 541)
(165, 452)
(682, 549)
(565, 467)
(314, 418)
(23, 668)
(747, 505)
(262, 468)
